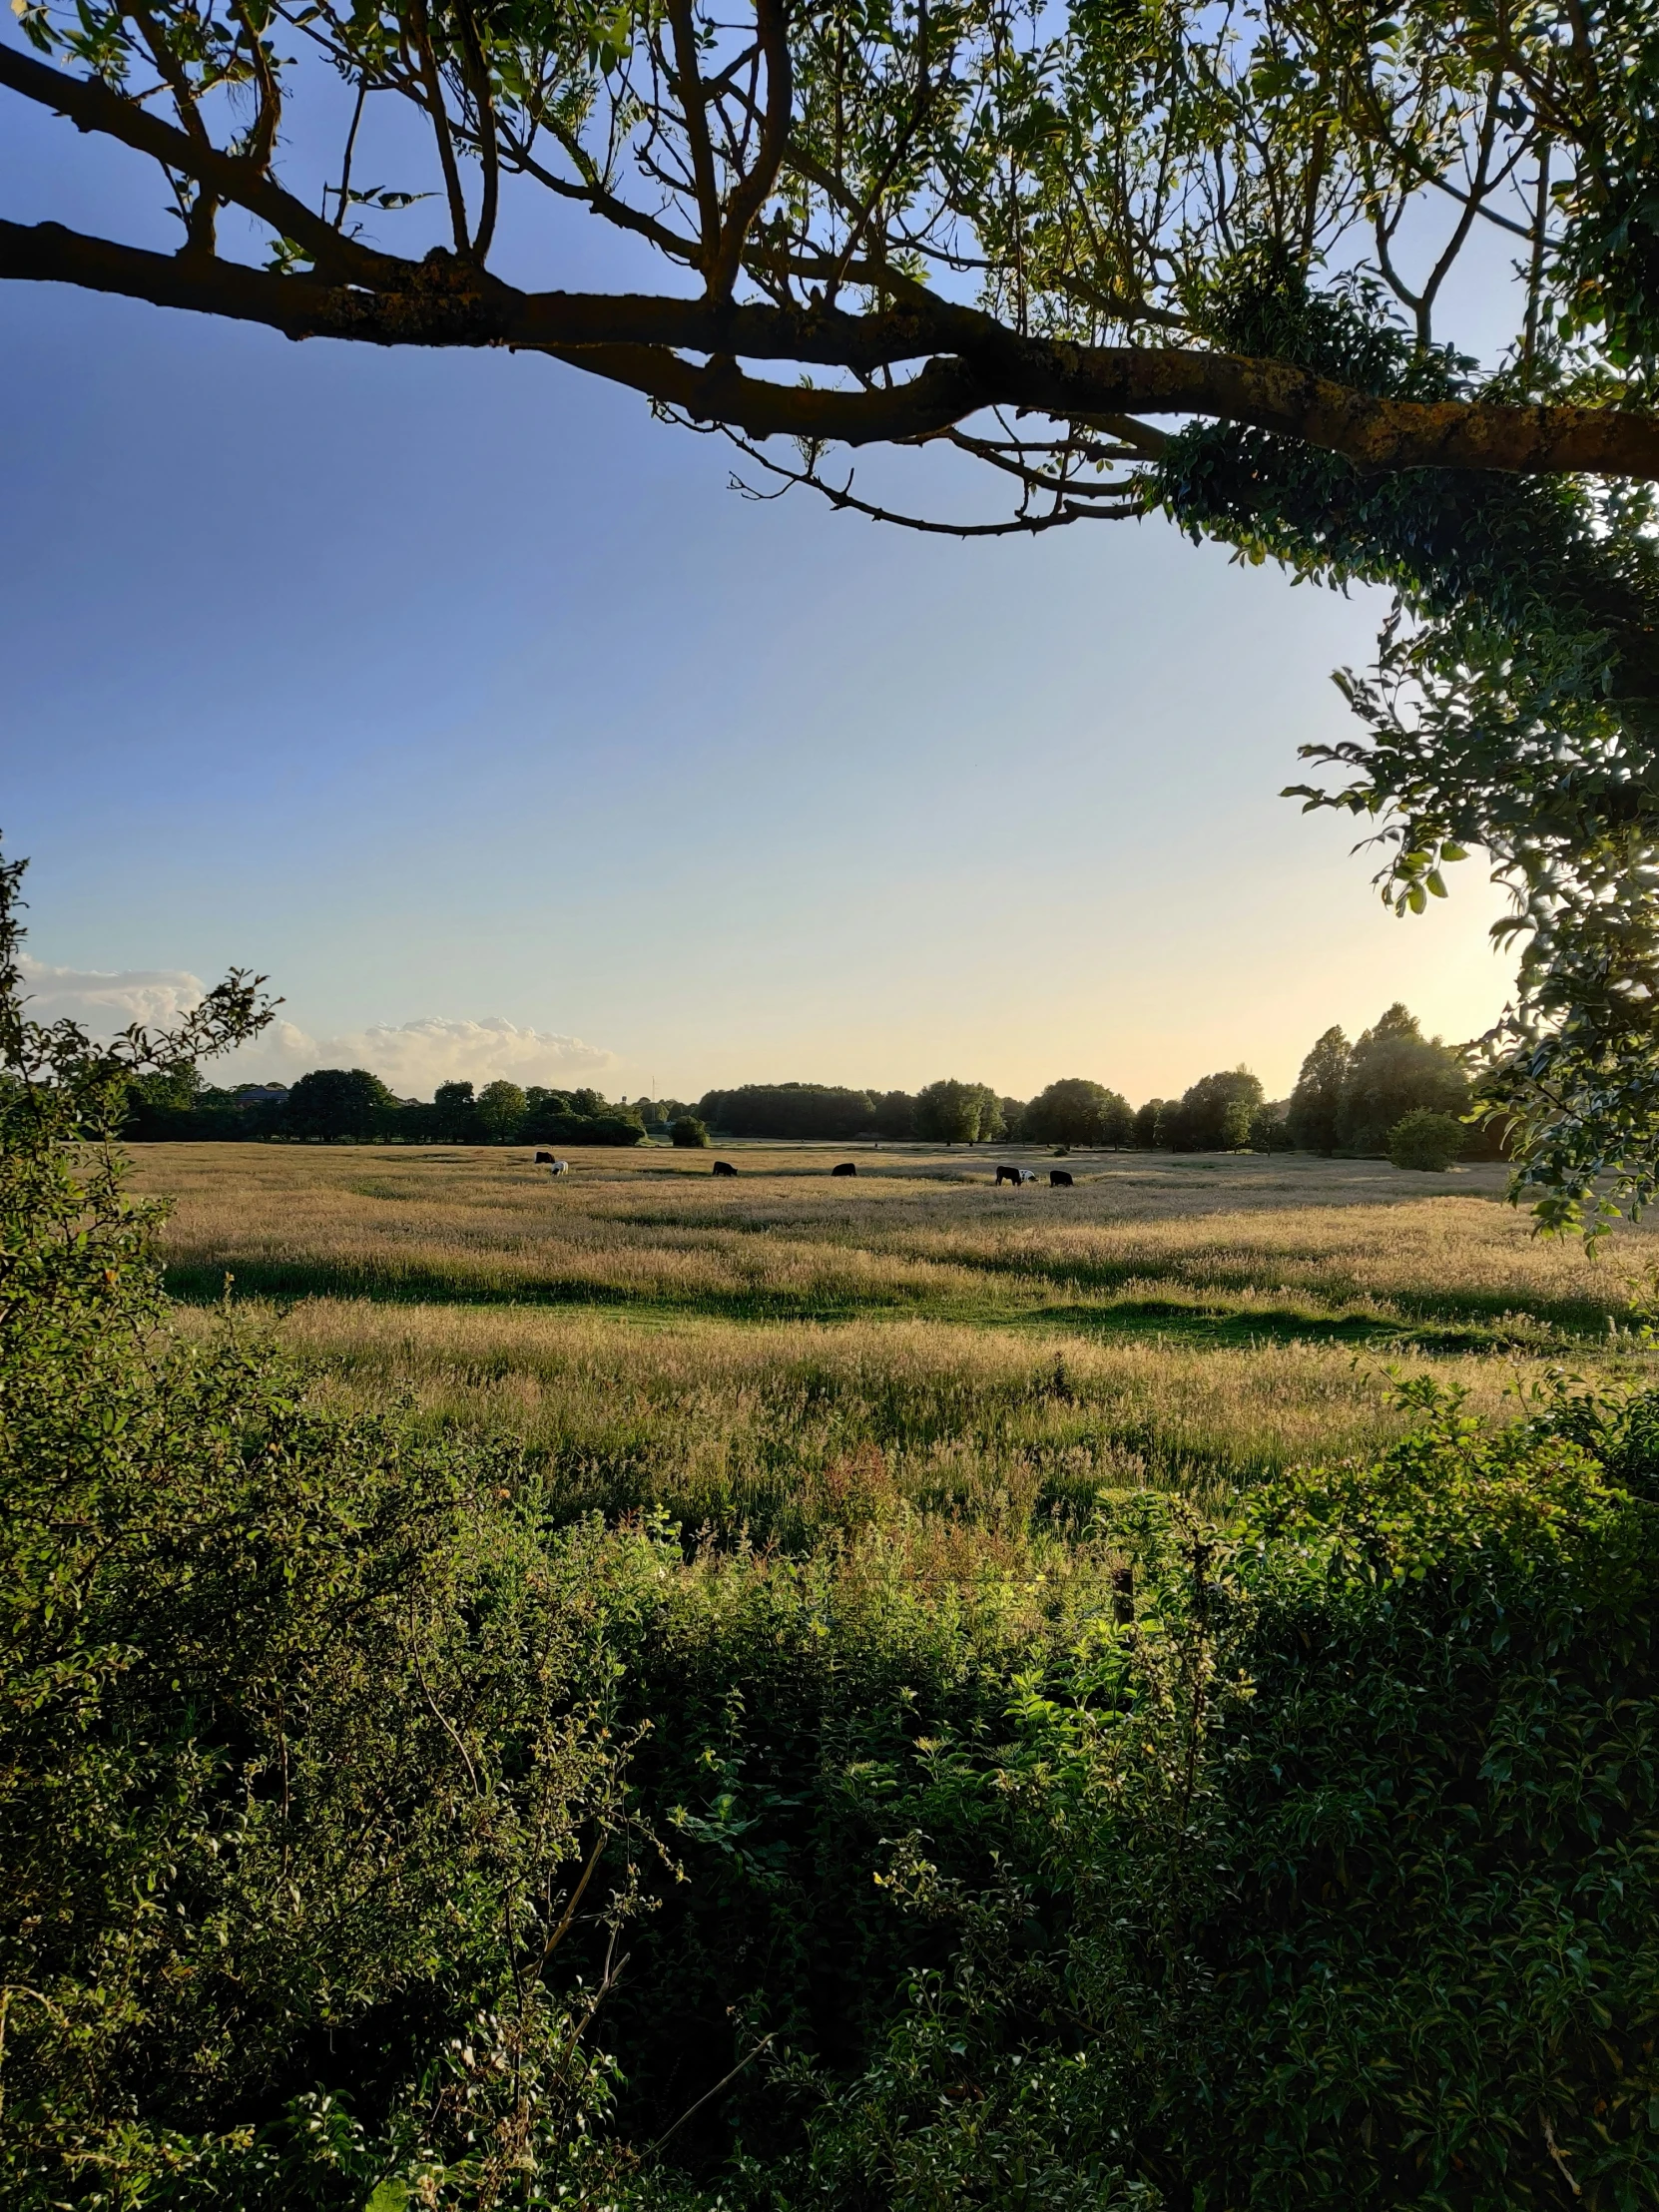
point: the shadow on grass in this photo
(1183, 1321)
(287, 1282)
(1472, 1306)
(1241, 1326)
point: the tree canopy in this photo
(1215, 1115)
(953, 1112)
(1076, 1110)
(339, 1102)
(1227, 262)
(1348, 1098)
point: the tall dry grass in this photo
(782, 1428)
(1258, 1248)
(786, 1354)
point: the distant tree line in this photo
(339, 1105)
(1349, 1099)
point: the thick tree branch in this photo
(943, 392)
(443, 136)
(971, 362)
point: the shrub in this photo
(1362, 1806)
(690, 1133)
(304, 1740)
(1424, 1139)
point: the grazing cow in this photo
(1006, 1174)
(847, 1167)
(723, 1167)
(1060, 1178)
(544, 1159)
(557, 1167)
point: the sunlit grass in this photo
(780, 1426)
(1231, 1250)
(785, 1354)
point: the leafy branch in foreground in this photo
(299, 1723)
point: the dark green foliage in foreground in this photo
(372, 1832)
(1510, 707)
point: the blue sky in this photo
(456, 693)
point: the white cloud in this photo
(414, 1057)
(105, 1001)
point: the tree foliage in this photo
(828, 1111)
(1076, 1110)
(1393, 1070)
(332, 1103)
(1315, 1109)
(1348, 1097)
(1214, 1115)
(953, 1112)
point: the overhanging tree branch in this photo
(637, 339)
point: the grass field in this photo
(786, 1349)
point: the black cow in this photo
(1016, 1176)
(544, 1159)
(723, 1167)
(847, 1167)
(1060, 1178)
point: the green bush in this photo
(1335, 1881)
(690, 1133)
(1424, 1139)
(304, 1732)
